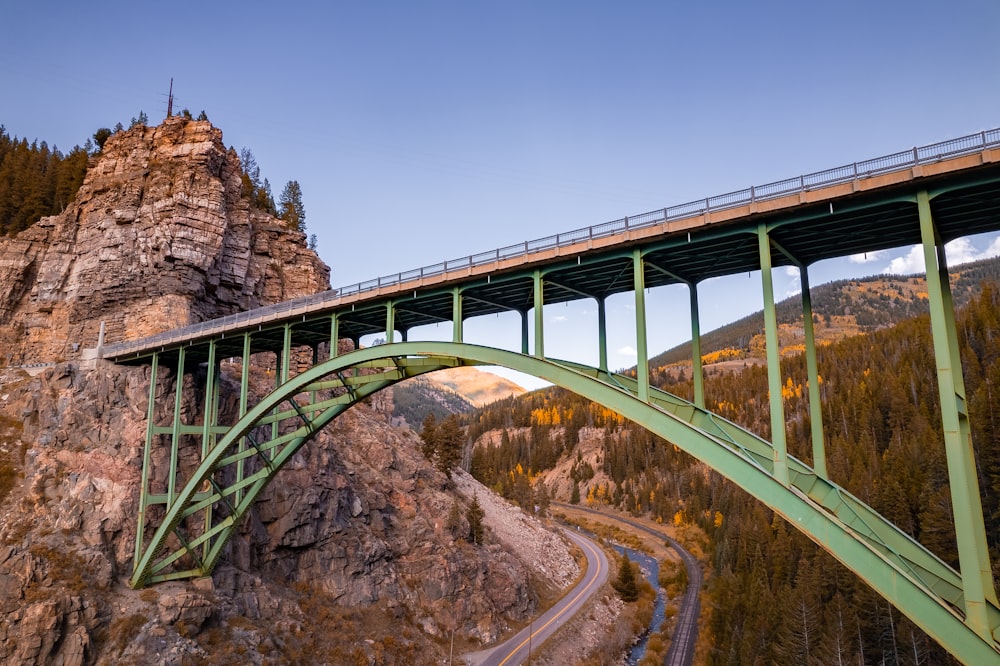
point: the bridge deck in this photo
(862, 211)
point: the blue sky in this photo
(427, 131)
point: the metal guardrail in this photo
(934, 152)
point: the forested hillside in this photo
(776, 597)
(841, 309)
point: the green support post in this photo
(524, 332)
(602, 334)
(970, 530)
(175, 435)
(812, 377)
(780, 450)
(456, 314)
(208, 422)
(334, 335)
(146, 455)
(390, 321)
(642, 355)
(286, 353)
(244, 397)
(697, 371)
(539, 312)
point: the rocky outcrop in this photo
(349, 555)
(358, 520)
(158, 236)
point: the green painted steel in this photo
(774, 384)
(642, 353)
(970, 529)
(697, 371)
(924, 588)
(456, 315)
(176, 426)
(390, 321)
(146, 453)
(812, 378)
(539, 310)
(602, 333)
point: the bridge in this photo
(925, 196)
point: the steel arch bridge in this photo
(944, 192)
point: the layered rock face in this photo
(158, 237)
(349, 556)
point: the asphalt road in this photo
(515, 650)
(681, 651)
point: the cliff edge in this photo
(158, 236)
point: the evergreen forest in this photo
(36, 181)
(774, 597)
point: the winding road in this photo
(681, 651)
(515, 650)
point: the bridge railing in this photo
(906, 159)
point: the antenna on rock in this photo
(170, 99)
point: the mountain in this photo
(840, 309)
(454, 391)
(479, 387)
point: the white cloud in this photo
(558, 319)
(994, 249)
(866, 257)
(629, 351)
(792, 271)
(911, 262)
(958, 251)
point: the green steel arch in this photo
(207, 511)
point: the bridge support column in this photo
(390, 321)
(334, 335)
(456, 315)
(286, 353)
(244, 399)
(524, 332)
(812, 377)
(697, 372)
(175, 435)
(780, 450)
(146, 454)
(602, 334)
(970, 530)
(642, 355)
(209, 421)
(539, 312)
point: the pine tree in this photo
(625, 585)
(474, 516)
(290, 208)
(454, 519)
(448, 442)
(428, 435)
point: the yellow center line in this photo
(555, 617)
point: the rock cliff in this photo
(158, 236)
(347, 557)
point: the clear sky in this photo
(424, 131)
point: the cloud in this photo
(866, 257)
(911, 262)
(958, 251)
(558, 319)
(628, 350)
(792, 271)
